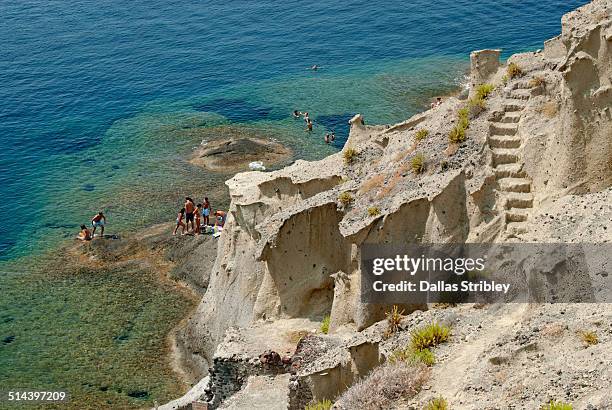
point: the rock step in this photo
(504, 141)
(517, 228)
(519, 200)
(517, 215)
(501, 128)
(511, 117)
(515, 185)
(522, 85)
(519, 94)
(509, 171)
(513, 105)
(505, 156)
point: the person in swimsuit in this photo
(332, 137)
(98, 221)
(206, 211)
(84, 235)
(296, 114)
(189, 208)
(309, 125)
(179, 221)
(219, 218)
(197, 213)
(326, 138)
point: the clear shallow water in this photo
(102, 101)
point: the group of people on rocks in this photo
(98, 221)
(193, 217)
(328, 137)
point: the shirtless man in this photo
(189, 208)
(98, 221)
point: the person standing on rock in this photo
(189, 208)
(179, 221)
(206, 208)
(98, 221)
(197, 213)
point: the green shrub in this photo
(483, 90)
(514, 71)
(556, 405)
(463, 113)
(429, 336)
(373, 211)
(505, 79)
(345, 198)
(439, 403)
(350, 154)
(425, 356)
(421, 134)
(325, 324)
(417, 163)
(457, 134)
(320, 405)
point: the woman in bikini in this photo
(197, 214)
(85, 234)
(179, 221)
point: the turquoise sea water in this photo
(101, 103)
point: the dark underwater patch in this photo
(238, 110)
(336, 122)
(89, 187)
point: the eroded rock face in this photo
(292, 243)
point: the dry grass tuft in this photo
(373, 211)
(345, 198)
(588, 338)
(483, 91)
(549, 109)
(384, 385)
(350, 154)
(514, 71)
(421, 134)
(537, 82)
(438, 403)
(394, 318)
(295, 336)
(417, 163)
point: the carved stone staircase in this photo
(513, 184)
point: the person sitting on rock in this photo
(84, 234)
(98, 221)
(219, 218)
(179, 221)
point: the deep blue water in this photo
(83, 84)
